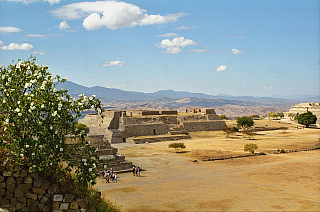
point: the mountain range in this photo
(231, 106)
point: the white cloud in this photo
(64, 25)
(268, 88)
(221, 68)
(1, 43)
(236, 51)
(174, 46)
(31, 1)
(38, 52)
(167, 35)
(184, 27)
(36, 36)
(111, 14)
(114, 63)
(198, 50)
(15, 46)
(9, 29)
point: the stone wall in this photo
(204, 126)
(21, 190)
(142, 129)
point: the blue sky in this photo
(258, 48)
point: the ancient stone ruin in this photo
(303, 108)
(124, 126)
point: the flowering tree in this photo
(36, 117)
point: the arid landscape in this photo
(173, 181)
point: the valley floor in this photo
(173, 182)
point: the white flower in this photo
(30, 111)
(50, 164)
(4, 101)
(27, 146)
(33, 107)
(85, 164)
(105, 166)
(40, 146)
(26, 94)
(17, 110)
(18, 102)
(51, 127)
(6, 121)
(66, 78)
(31, 103)
(26, 119)
(90, 98)
(42, 106)
(94, 165)
(61, 149)
(56, 132)
(94, 96)
(54, 113)
(90, 169)
(19, 114)
(34, 166)
(89, 142)
(33, 153)
(99, 110)
(22, 155)
(54, 90)
(40, 123)
(57, 146)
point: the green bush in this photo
(306, 118)
(36, 117)
(177, 146)
(250, 148)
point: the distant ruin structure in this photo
(117, 126)
(303, 108)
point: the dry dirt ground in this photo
(173, 182)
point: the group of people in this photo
(136, 171)
(110, 175)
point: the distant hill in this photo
(231, 106)
(110, 94)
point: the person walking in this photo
(139, 171)
(134, 171)
(115, 178)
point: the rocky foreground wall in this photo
(21, 190)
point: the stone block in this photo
(18, 193)
(37, 183)
(13, 201)
(57, 198)
(2, 185)
(2, 168)
(7, 174)
(23, 200)
(28, 179)
(24, 187)
(74, 205)
(23, 173)
(19, 180)
(4, 202)
(41, 206)
(55, 206)
(45, 200)
(10, 180)
(9, 195)
(64, 206)
(32, 203)
(46, 208)
(35, 175)
(31, 196)
(11, 188)
(45, 185)
(38, 190)
(1, 178)
(19, 206)
(82, 203)
(68, 198)
(40, 196)
(16, 174)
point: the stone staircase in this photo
(109, 156)
(175, 129)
